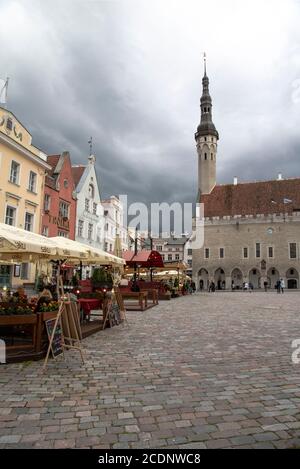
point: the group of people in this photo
(280, 286)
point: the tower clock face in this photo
(270, 231)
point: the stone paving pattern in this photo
(204, 371)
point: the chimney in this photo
(279, 178)
(235, 181)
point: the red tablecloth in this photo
(87, 304)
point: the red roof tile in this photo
(77, 172)
(266, 197)
(52, 160)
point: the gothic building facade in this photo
(251, 229)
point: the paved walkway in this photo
(205, 371)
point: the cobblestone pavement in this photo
(204, 371)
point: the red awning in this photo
(143, 258)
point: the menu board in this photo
(57, 343)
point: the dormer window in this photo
(9, 124)
(91, 191)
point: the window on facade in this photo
(206, 253)
(190, 252)
(87, 205)
(270, 251)
(10, 217)
(45, 230)
(80, 228)
(25, 271)
(47, 202)
(91, 191)
(169, 257)
(245, 253)
(257, 250)
(14, 172)
(221, 253)
(293, 251)
(159, 248)
(190, 262)
(94, 208)
(163, 257)
(90, 231)
(66, 184)
(63, 209)
(177, 257)
(28, 221)
(110, 247)
(106, 227)
(32, 182)
(106, 247)
(9, 124)
(63, 234)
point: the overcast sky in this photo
(129, 73)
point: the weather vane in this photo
(204, 58)
(90, 142)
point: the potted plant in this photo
(101, 278)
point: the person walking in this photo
(282, 285)
(266, 285)
(277, 286)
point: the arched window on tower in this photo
(205, 156)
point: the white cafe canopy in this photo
(88, 254)
(17, 245)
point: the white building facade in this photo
(114, 224)
(90, 212)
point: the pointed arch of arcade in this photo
(273, 277)
(237, 278)
(203, 279)
(255, 277)
(292, 278)
(220, 279)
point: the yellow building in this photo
(22, 174)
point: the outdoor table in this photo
(88, 304)
(154, 294)
(141, 297)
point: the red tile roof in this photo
(77, 172)
(252, 198)
(52, 160)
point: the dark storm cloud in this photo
(129, 74)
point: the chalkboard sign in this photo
(112, 316)
(57, 343)
(115, 314)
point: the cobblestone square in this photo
(201, 371)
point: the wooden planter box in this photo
(20, 320)
(15, 319)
